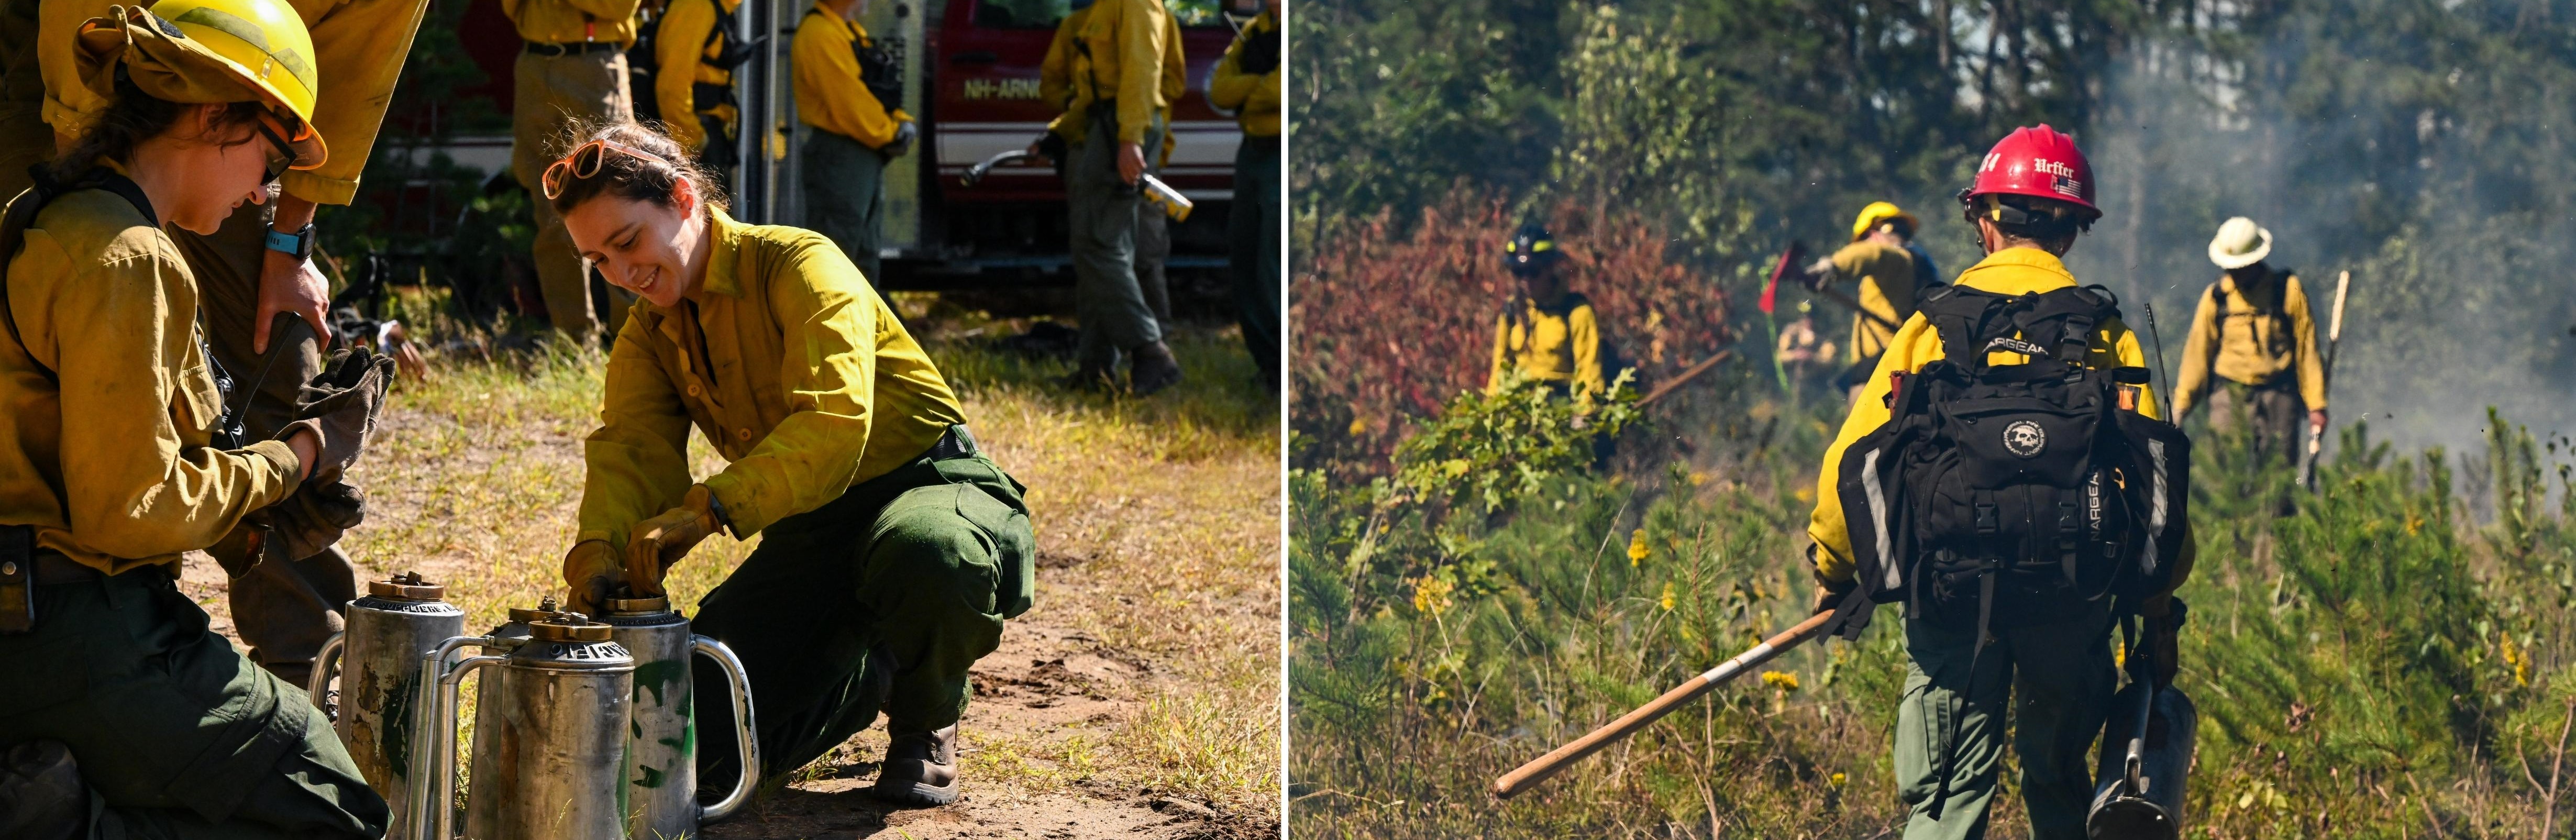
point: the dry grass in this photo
(1157, 520)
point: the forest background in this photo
(2391, 659)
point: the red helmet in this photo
(2039, 163)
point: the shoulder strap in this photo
(2063, 319)
(1961, 317)
(22, 215)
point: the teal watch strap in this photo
(298, 244)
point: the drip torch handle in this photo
(745, 734)
(432, 767)
(321, 679)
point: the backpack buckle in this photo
(1989, 520)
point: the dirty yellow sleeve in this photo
(637, 460)
(829, 92)
(1502, 353)
(684, 29)
(2303, 345)
(1583, 330)
(831, 370)
(106, 301)
(1141, 27)
(2199, 345)
(2012, 271)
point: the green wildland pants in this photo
(553, 91)
(175, 733)
(845, 198)
(877, 601)
(1950, 724)
(2273, 413)
(1108, 299)
(283, 611)
(1252, 251)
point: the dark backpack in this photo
(2013, 495)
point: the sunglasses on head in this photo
(584, 162)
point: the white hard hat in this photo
(2240, 243)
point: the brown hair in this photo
(135, 117)
(629, 177)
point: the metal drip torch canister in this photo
(549, 740)
(661, 755)
(400, 619)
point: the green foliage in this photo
(1488, 452)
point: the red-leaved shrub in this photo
(1387, 327)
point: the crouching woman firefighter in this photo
(891, 551)
(2006, 477)
(123, 714)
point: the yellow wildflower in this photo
(1781, 680)
(1836, 780)
(1359, 426)
(1667, 600)
(1637, 550)
(1431, 595)
(1806, 495)
(2516, 659)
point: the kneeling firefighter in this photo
(892, 550)
(123, 714)
(2007, 477)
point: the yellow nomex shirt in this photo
(808, 385)
(2012, 271)
(683, 41)
(1886, 275)
(1121, 56)
(573, 21)
(1057, 71)
(102, 297)
(829, 93)
(2266, 332)
(1559, 343)
(1253, 98)
(359, 46)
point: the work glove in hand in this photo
(340, 407)
(1818, 273)
(590, 572)
(1830, 594)
(2162, 645)
(1260, 54)
(904, 134)
(314, 517)
(658, 543)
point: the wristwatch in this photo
(298, 244)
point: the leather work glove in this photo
(340, 408)
(904, 134)
(658, 543)
(314, 517)
(590, 572)
(1830, 594)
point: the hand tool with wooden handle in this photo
(1541, 768)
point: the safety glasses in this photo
(585, 161)
(282, 153)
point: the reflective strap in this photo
(2156, 507)
(1869, 484)
(1727, 669)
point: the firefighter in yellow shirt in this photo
(1121, 81)
(2254, 330)
(572, 68)
(891, 551)
(695, 52)
(1546, 333)
(1055, 87)
(1883, 270)
(127, 716)
(1247, 81)
(850, 90)
(263, 299)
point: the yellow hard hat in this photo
(210, 51)
(1870, 216)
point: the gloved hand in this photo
(1830, 594)
(1818, 273)
(339, 407)
(658, 543)
(590, 572)
(314, 517)
(904, 134)
(1260, 54)
(2162, 645)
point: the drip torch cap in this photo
(408, 586)
(638, 605)
(567, 627)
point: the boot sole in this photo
(916, 793)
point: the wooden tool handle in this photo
(1686, 376)
(1541, 768)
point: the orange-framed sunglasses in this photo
(584, 162)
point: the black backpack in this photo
(2013, 495)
